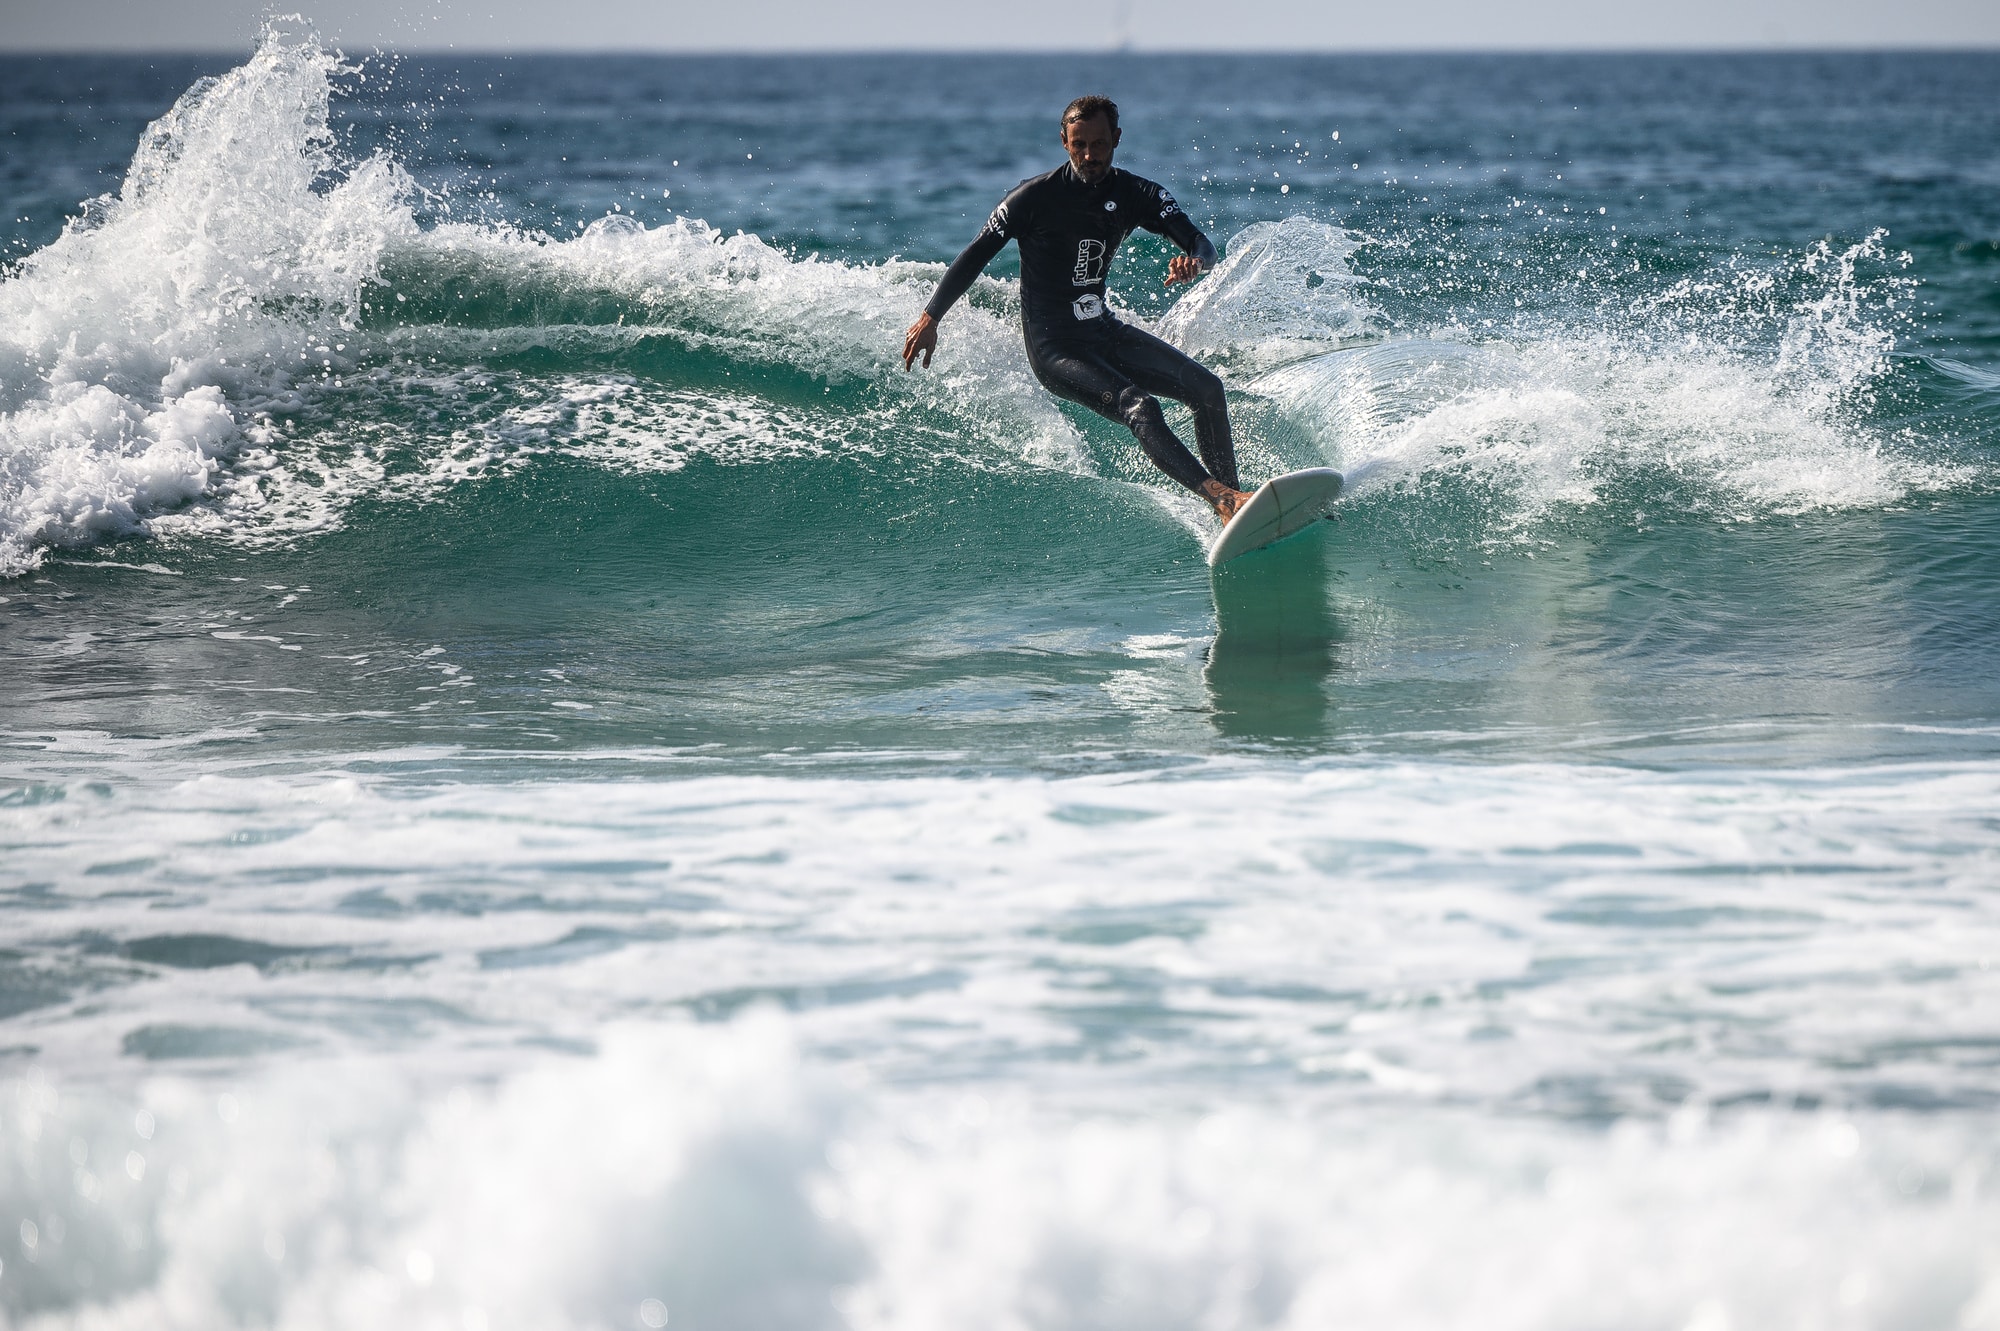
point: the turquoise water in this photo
(549, 783)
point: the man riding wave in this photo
(1069, 224)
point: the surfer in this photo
(1068, 224)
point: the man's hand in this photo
(1184, 268)
(921, 337)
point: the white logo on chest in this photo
(1089, 263)
(1111, 205)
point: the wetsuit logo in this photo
(997, 224)
(1086, 306)
(1167, 205)
(1089, 268)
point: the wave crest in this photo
(141, 346)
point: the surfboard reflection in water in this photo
(1276, 643)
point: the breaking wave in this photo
(256, 332)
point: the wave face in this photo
(545, 782)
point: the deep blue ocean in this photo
(546, 782)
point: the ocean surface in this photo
(546, 783)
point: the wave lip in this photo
(138, 350)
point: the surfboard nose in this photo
(1282, 506)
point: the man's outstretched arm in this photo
(957, 280)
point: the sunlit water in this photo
(548, 784)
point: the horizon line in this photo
(1097, 53)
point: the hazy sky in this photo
(706, 25)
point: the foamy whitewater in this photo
(547, 783)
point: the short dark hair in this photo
(1083, 108)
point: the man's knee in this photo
(1136, 406)
(1205, 390)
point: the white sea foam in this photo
(1566, 422)
(1743, 396)
(1686, 924)
(703, 1177)
(1242, 1043)
(139, 346)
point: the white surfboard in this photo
(1281, 507)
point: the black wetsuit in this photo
(1068, 231)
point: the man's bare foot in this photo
(1222, 499)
